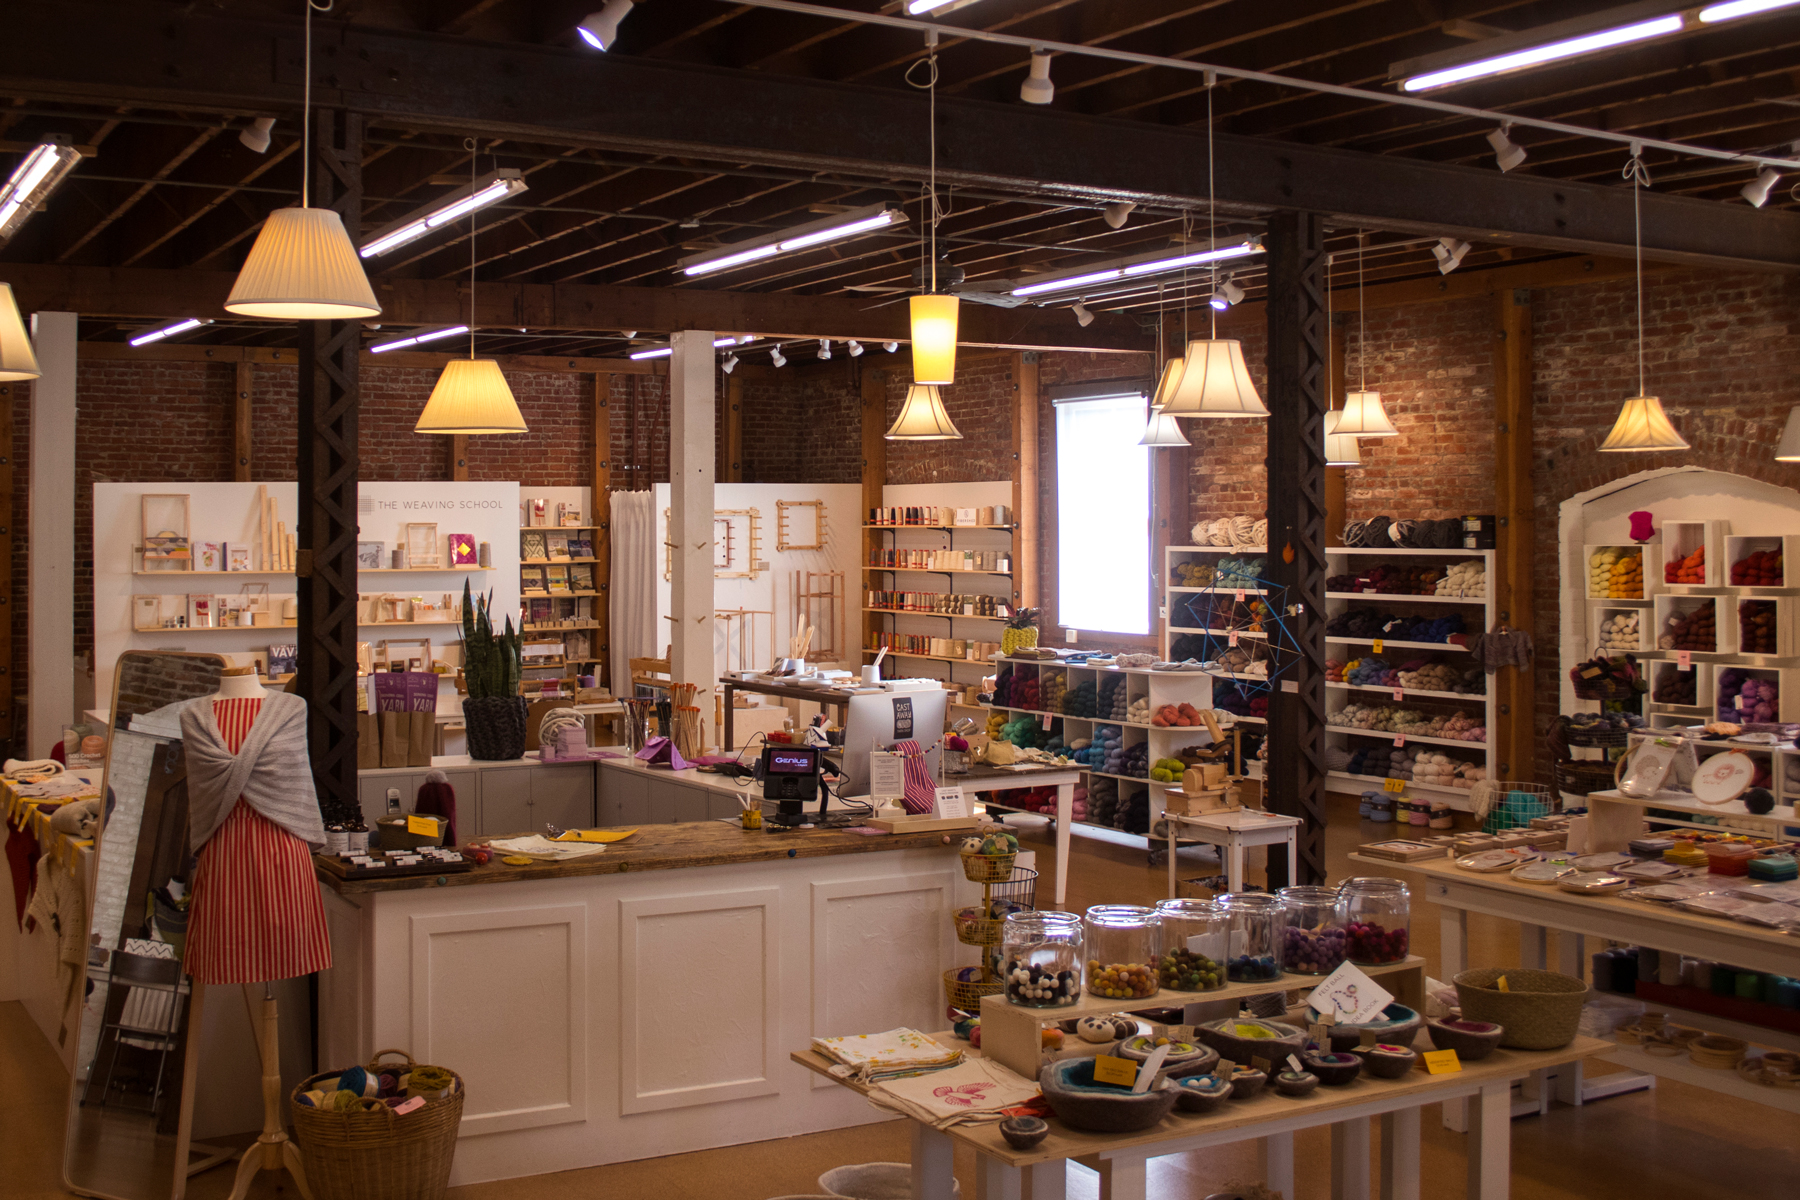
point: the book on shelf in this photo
(557, 578)
(581, 547)
(538, 610)
(558, 546)
(531, 546)
(531, 581)
(581, 577)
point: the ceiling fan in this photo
(952, 280)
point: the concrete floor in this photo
(1675, 1141)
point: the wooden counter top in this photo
(658, 848)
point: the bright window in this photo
(1103, 515)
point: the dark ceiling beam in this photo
(77, 49)
(130, 294)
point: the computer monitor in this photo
(877, 720)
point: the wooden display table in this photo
(1122, 1159)
(1233, 832)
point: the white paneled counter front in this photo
(643, 1002)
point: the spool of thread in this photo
(1668, 970)
(1649, 964)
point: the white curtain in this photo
(632, 614)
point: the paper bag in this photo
(421, 738)
(368, 741)
(396, 739)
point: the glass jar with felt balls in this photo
(1376, 914)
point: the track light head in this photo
(1083, 317)
(1115, 214)
(730, 364)
(856, 348)
(630, 334)
(1507, 153)
(600, 30)
(777, 357)
(1758, 189)
(890, 347)
(1227, 294)
(1037, 88)
(1449, 253)
(256, 137)
(824, 349)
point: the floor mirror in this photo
(126, 1102)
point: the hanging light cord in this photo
(306, 104)
(469, 144)
(1639, 177)
(930, 88)
(1362, 355)
(1212, 204)
(1330, 374)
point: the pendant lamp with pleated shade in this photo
(1642, 425)
(471, 396)
(17, 359)
(1215, 382)
(922, 417)
(1341, 450)
(303, 268)
(1363, 416)
(1163, 430)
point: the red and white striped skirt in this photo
(257, 913)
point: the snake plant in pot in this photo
(493, 664)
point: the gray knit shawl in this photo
(271, 771)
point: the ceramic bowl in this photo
(1246, 1083)
(1470, 1039)
(1333, 1070)
(1397, 1024)
(1387, 1061)
(1022, 1133)
(1296, 1083)
(1201, 1093)
(1241, 1039)
(1080, 1103)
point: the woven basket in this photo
(966, 994)
(1541, 1010)
(1578, 776)
(978, 931)
(987, 868)
(373, 1154)
(1596, 738)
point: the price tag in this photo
(1399, 693)
(1232, 639)
(968, 610)
(1121, 1071)
(1240, 595)
(1044, 721)
(1368, 1037)
(1500, 985)
(1260, 1064)
(1684, 660)
(421, 826)
(1442, 1062)
(1376, 648)
(1393, 785)
(1290, 685)
(1294, 1064)
(1399, 741)
(951, 803)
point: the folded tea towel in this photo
(979, 1089)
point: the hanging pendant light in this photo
(302, 266)
(1642, 423)
(17, 359)
(471, 396)
(922, 417)
(1214, 380)
(1363, 414)
(1789, 448)
(1163, 430)
(934, 316)
(1341, 449)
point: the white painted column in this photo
(691, 448)
(51, 508)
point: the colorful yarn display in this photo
(1373, 623)
(1745, 697)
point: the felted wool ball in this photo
(1095, 1029)
(1759, 800)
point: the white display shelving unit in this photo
(1479, 614)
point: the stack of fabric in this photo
(873, 1057)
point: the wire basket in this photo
(965, 986)
(1516, 804)
(1598, 739)
(1579, 776)
(987, 868)
(980, 924)
(1608, 687)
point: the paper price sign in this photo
(421, 826)
(1442, 1062)
(1376, 648)
(1399, 741)
(1399, 693)
(1046, 722)
(1684, 660)
(1121, 1071)
(887, 776)
(1233, 637)
(1393, 785)
(951, 803)
(1240, 595)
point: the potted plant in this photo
(493, 664)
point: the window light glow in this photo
(1103, 515)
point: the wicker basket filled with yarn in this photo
(385, 1129)
(1020, 632)
(989, 858)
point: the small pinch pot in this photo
(1202, 1093)
(1246, 1082)
(1022, 1133)
(1080, 1103)
(1333, 1070)
(1387, 1061)
(1296, 1083)
(1397, 1024)
(1241, 1039)
(1471, 1040)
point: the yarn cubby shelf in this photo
(1408, 738)
(1389, 642)
(1406, 693)
(1386, 597)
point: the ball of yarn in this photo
(1759, 800)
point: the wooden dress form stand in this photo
(273, 1150)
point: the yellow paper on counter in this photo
(1108, 1069)
(1442, 1062)
(421, 826)
(593, 835)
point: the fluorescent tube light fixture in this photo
(659, 352)
(169, 330)
(1741, 8)
(915, 8)
(418, 339)
(1557, 50)
(489, 189)
(833, 228)
(31, 183)
(600, 30)
(1132, 268)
